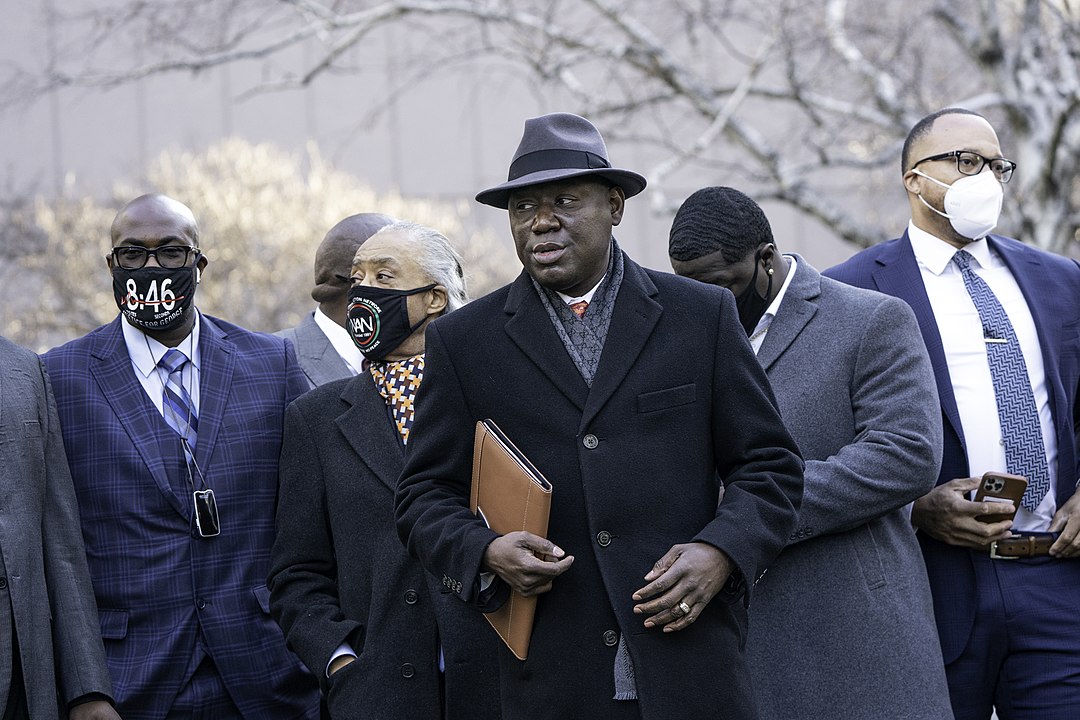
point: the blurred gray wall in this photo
(446, 137)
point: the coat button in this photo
(603, 538)
(590, 441)
(407, 670)
(611, 638)
(411, 597)
(3, 583)
(200, 603)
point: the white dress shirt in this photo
(341, 341)
(587, 297)
(965, 353)
(762, 328)
(145, 352)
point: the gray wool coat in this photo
(842, 623)
(45, 582)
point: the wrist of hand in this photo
(340, 662)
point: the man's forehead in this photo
(387, 248)
(588, 183)
(714, 264)
(159, 230)
(157, 220)
(957, 131)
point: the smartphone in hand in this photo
(1000, 487)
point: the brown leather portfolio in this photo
(509, 494)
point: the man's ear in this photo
(769, 254)
(437, 300)
(199, 267)
(617, 202)
(912, 181)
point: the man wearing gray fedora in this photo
(637, 395)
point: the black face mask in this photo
(155, 298)
(752, 306)
(378, 319)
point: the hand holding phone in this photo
(1000, 487)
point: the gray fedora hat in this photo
(556, 147)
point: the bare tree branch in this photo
(784, 93)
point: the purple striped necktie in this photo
(176, 405)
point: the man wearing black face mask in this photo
(385, 639)
(856, 391)
(172, 423)
(324, 347)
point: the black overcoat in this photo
(678, 403)
(340, 573)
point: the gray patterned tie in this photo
(1025, 453)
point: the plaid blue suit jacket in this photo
(1051, 285)
(164, 593)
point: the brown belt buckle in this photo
(995, 556)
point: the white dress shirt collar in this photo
(341, 341)
(587, 297)
(761, 329)
(145, 351)
(936, 255)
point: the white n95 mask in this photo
(972, 203)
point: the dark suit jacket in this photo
(317, 357)
(678, 404)
(46, 588)
(1051, 287)
(339, 571)
(160, 587)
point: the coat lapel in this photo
(898, 274)
(217, 358)
(1026, 269)
(795, 311)
(531, 330)
(632, 322)
(112, 371)
(367, 428)
(316, 354)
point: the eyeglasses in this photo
(972, 163)
(133, 257)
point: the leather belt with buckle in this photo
(1023, 546)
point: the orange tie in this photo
(579, 307)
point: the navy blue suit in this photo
(1051, 287)
(162, 590)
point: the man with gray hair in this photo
(323, 346)
(378, 632)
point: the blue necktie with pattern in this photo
(176, 406)
(1025, 453)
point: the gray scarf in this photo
(584, 337)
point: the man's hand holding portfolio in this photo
(526, 562)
